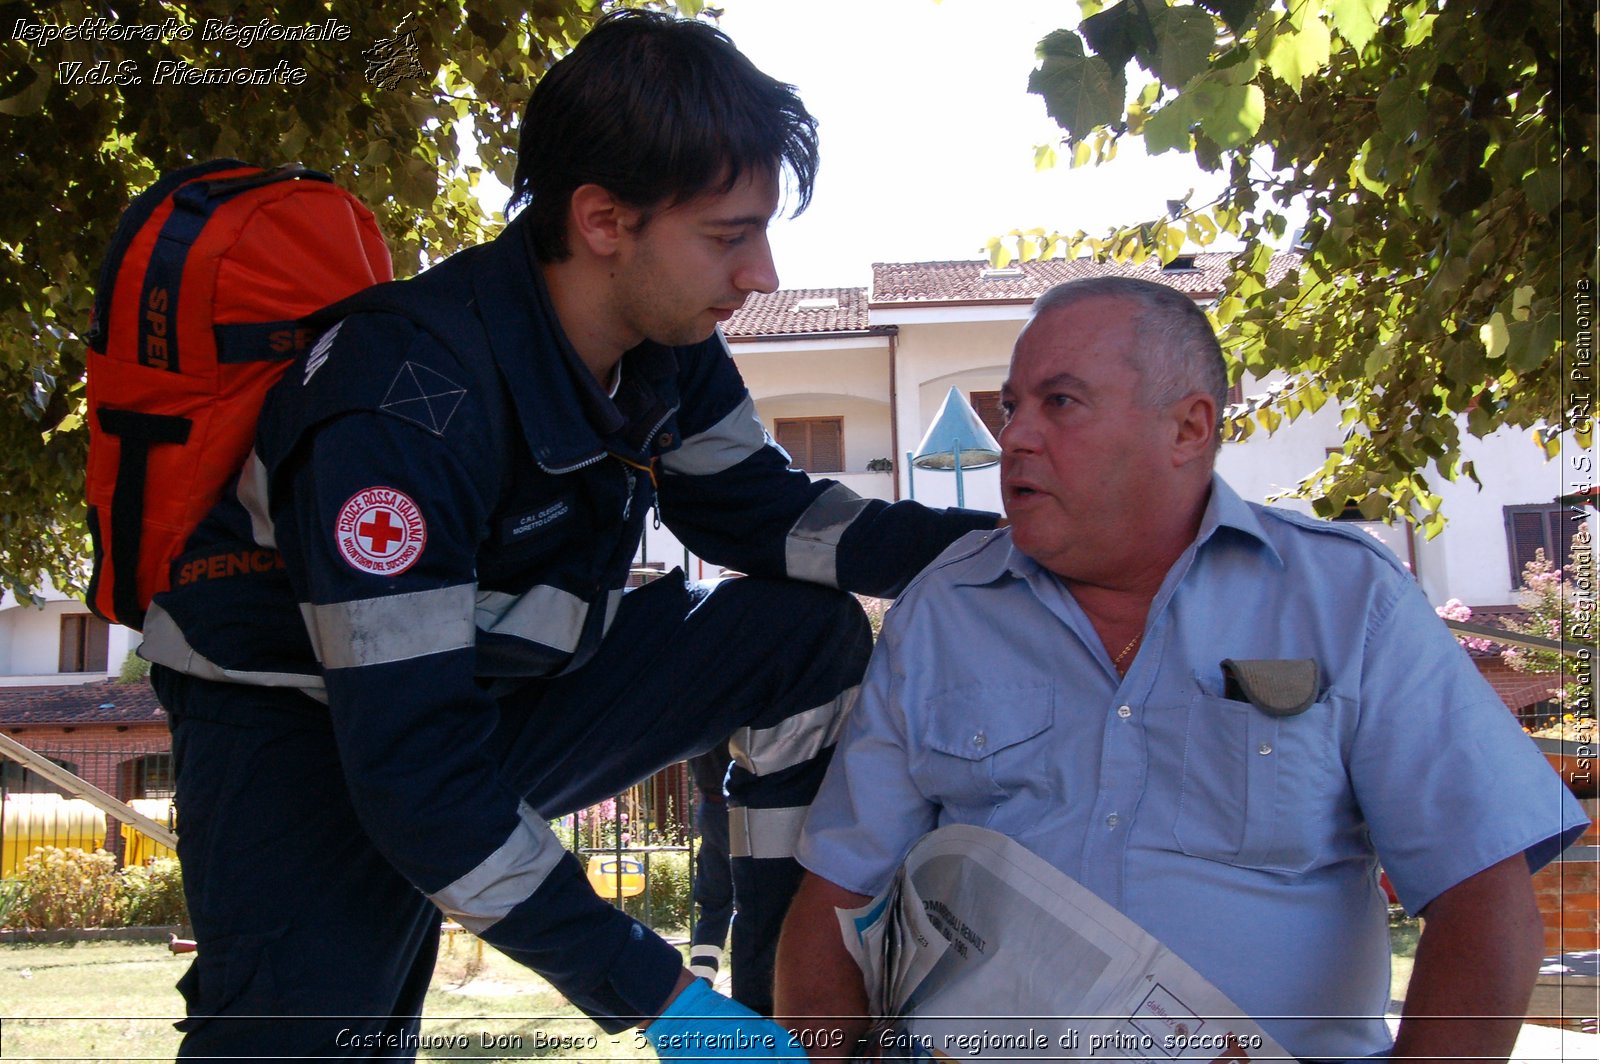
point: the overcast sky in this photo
(928, 133)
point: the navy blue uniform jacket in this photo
(442, 502)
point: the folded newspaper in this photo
(980, 950)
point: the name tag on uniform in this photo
(518, 528)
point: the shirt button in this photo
(1264, 748)
(1124, 712)
(1113, 820)
(665, 440)
(980, 740)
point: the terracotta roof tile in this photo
(799, 310)
(974, 280)
(105, 702)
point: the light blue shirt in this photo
(1248, 843)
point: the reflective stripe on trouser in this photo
(713, 881)
(705, 961)
(680, 670)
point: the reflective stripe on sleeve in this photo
(763, 751)
(252, 490)
(546, 615)
(165, 644)
(507, 877)
(377, 631)
(811, 549)
(722, 446)
(764, 833)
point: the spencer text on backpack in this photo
(198, 310)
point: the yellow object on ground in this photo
(604, 876)
(139, 848)
(35, 820)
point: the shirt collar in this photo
(1226, 510)
(1226, 514)
(566, 416)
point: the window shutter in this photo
(987, 407)
(1564, 525)
(71, 657)
(96, 640)
(794, 438)
(815, 444)
(1527, 538)
(827, 446)
(1530, 529)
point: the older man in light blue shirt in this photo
(1217, 716)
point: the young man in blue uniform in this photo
(456, 480)
(1217, 716)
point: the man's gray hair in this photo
(1178, 352)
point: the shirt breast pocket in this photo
(1258, 791)
(985, 753)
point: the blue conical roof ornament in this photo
(956, 429)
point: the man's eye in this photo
(732, 241)
(1006, 411)
(1058, 400)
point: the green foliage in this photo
(77, 153)
(152, 895)
(874, 608)
(1445, 155)
(669, 892)
(134, 669)
(67, 888)
(10, 898)
(71, 888)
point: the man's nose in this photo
(756, 271)
(1017, 434)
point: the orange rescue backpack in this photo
(197, 312)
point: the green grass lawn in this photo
(115, 1001)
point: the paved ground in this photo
(1553, 1043)
(1536, 1044)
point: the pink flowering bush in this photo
(1561, 607)
(1456, 610)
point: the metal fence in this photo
(637, 847)
(36, 812)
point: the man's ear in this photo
(597, 221)
(1195, 428)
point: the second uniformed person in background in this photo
(379, 731)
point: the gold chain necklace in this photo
(1117, 661)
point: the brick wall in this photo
(1516, 689)
(1568, 895)
(101, 752)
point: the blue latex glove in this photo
(701, 1024)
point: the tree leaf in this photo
(1231, 114)
(1495, 336)
(1357, 20)
(1079, 91)
(1296, 54)
(1168, 128)
(1113, 35)
(1235, 14)
(1185, 39)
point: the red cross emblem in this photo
(380, 531)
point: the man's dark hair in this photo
(656, 110)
